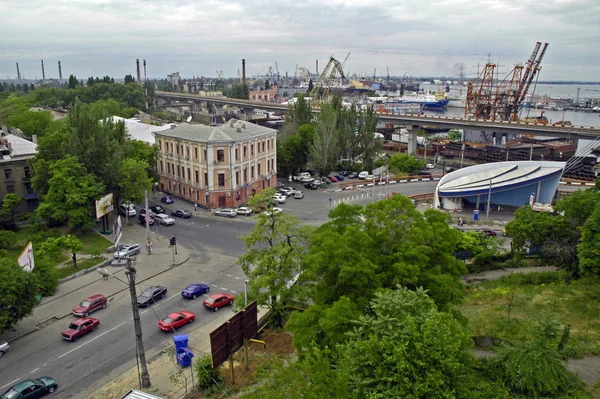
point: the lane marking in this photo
(234, 292)
(224, 289)
(237, 278)
(228, 275)
(33, 371)
(10, 383)
(85, 343)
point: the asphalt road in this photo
(214, 246)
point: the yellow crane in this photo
(331, 77)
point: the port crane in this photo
(331, 76)
(219, 74)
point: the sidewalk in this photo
(167, 377)
(69, 292)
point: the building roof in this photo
(140, 131)
(234, 130)
(20, 147)
(135, 394)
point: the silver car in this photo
(127, 250)
(3, 347)
(298, 195)
(226, 212)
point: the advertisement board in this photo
(25, 260)
(104, 205)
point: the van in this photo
(363, 175)
(127, 210)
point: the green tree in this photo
(367, 146)
(90, 81)
(134, 180)
(347, 131)
(7, 239)
(72, 82)
(406, 164)
(588, 250)
(324, 150)
(129, 79)
(273, 255)
(73, 245)
(310, 86)
(31, 122)
(10, 203)
(18, 293)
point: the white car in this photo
(3, 347)
(164, 219)
(127, 250)
(272, 211)
(279, 198)
(430, 166)
(292, 190)
(243, 210)
(363, 175)
(285, 191)
(298, 195)
(307, 180)
(228, 212)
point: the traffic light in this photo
(173, 241)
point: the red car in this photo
(216, 301)
(90, 305)
(332, 178)
(79, 328)
(176, 320)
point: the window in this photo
(8, 173)
(189, 192)
(197, 176)
(245, 151)
(168, 168)
(197, 195)
(178, 171)
(245, 176)
(205, 157)
(161, 166)
(237, 155)
(252, 149)
(220, 155)
(206, 179)
(177, 148)
(259, 169)
(189, 174)
(263, 144)
(196, 152)
(221, 179)
(27, 171)
(252, 172)
(10, 189)
(268, 165)
(237, 178)
(268, 145)
(187, 152)
(171, 147)
(160, 145)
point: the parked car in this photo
(78, 328)
(181, 213)
(142, 220)
(487, 232)
(243, 210)
(284, 191)
(164, 219)
(217, 301)
(90, 305)
(143, 212)
(150, 295)
(307, 180)
(298, 195)
(339, 177)
(353, 175)
(363, 175)
(157, 209)
(344, 173)
(430, 166)
(311, 186)
(424, 173)
(3, 347)
(31, 388)
(166, 200)
(127, 210)
(272, 211)
(194, 290)
(292, 190)
(127, 250)
(281, 199)
(226, 212)
(176, 320)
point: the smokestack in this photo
(145, 70)
(317, 67)
(43, 72)
(59, 72)
(244, 71)
(18, 73)
(139, 78)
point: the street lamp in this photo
(130, 272)
(245, 292)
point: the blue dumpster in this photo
(475, 215)
(184, 357)
(181, 341)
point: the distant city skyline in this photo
(105, 37)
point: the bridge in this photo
(434, 121)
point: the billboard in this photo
(104, 205)
(229, 337)
(25, 260)
(117, 230)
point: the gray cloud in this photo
(420, 38)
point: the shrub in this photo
(206, 375)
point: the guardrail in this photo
(383, 181)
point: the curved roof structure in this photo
(510, 183)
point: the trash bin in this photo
(475, 215)
(184, 357)
(181, 341)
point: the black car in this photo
(311, 186)
(353, 175)
(181, 213)
(157, 209)
(151, 295)
(344, 173)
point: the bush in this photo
(207, 377)
(47, 275)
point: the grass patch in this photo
(511, 308)
(93, 243)
(81, 265)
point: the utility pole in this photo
(148, 240)
(487, 211)
(130, 272)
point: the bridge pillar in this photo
(412, 139)
(247, 114)
(219, 110)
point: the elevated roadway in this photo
(442, 122)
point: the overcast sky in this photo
(199, 37)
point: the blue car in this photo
(339, 177)
(194, 290)
(166, 200)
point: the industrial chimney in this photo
(244, 71)
(59, 72)
(43, 73)
(18, 73)
(139, 77)
(317, 68)
(145, 78)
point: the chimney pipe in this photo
(317, 68)
(244, 71)
(43, 73)
(59, 72)
(145, 78)
(139, 78)
(18, 73)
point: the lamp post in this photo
(245, 292)
(489, 199)
(130, 272)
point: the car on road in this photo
(150, 295)
(3, 347)
(78, 328)
(217, 301)
(243, 210)
(166, 200)
(181, 213)
(333, 179)
(353, 175)
(164, 219)
(279, 198)
(194, 290)
(298, 195)
(142, 220)
(157, 209)
(311, 186)
(176, 320)
(228, 212)
(487, 232)
(272, 211)
(127, 250)
(27, 389)
(90, 305)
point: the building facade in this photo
(16, 174)
(217, 166)
(263, 95)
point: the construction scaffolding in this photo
(492, 100)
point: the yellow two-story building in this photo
(217, 166)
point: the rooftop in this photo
(138, 130)
(19, 147)
(234, 130)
